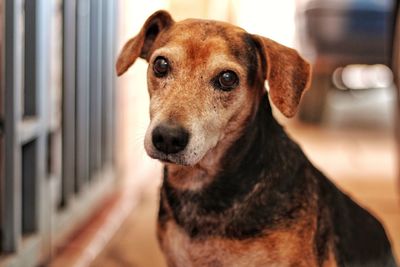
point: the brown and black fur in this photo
(253, 199)
(356, 237)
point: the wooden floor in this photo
(362, 163)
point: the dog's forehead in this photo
(206, 28)
(205, 37)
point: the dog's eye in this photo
(227, 80)
(161, 67)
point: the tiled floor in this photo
(362, 163)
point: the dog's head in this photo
(205, 80)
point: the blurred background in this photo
(76, 186)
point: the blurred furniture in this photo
(341, 33)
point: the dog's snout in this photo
(169, 138)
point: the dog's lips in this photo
(165, 160)
(168, 158)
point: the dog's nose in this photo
(169, 138)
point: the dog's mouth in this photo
(169, 158)
(166, 161)
(184, 158)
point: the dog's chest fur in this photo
(248, 232)
(278, 248)
(244, 233)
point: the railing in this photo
(56, 118)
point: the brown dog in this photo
(237, 191)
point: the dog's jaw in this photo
(196, 176)
(191, 175)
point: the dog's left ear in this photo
(141, 44)
(288, 74)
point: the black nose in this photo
(169, 138)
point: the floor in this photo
(362, 163)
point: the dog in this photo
(237, 191)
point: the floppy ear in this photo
(288, 74)
(141, 44)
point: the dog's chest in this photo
(280, 248)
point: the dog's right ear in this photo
(140, 45)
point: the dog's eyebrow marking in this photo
(174, 52)
(222, 62)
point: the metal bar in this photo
(82, 94)
(43, 70)
(30, 90)
(107, 82)
(29, 183)
(13, 86)
(68, 116)
(95, 86)
(36, 87)
(1, 117)
(113, 50)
